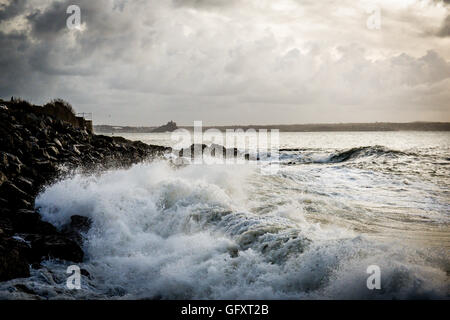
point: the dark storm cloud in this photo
(11, 9)
(444, 30)
(31, 58)
(50, 22)
(140, 60)
(14, 45)
(34, 59)
(16, 77)
(11, 61)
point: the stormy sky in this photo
(231, 61)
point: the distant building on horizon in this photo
(169, 127)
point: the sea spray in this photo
(194, 232)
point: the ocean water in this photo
(338, 203)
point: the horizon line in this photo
(280, 125)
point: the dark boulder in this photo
(193, 151)
(77, 227)
(13, 194)
(6, 226)
(75, 150)
(24, 184)
(10, 163)
(13, 261)
(80, 223)
(29, 221)
(52, 151)
(55, 246)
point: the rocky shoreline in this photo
(35, 149)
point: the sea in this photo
(346, 215)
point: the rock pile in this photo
(33, 148)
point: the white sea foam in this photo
(215, 232)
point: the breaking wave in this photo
(194, 232)
(298, 156)
(362, 152)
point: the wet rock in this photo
(52, 151)
(193, 151)
(30, 119)
(75, 150)
(24, 184)
(233, 252)
(32, 148)
(3, 178)
(29, 221)
(78, 225)
(6, 226)
(55, 246)
(11, 163)
(13, 193)
(24, 288)
(218, 150)
(45, 166)
(85, 273)
(4, 160)
(58, 143)
(13, 262)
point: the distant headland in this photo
(320, 127)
